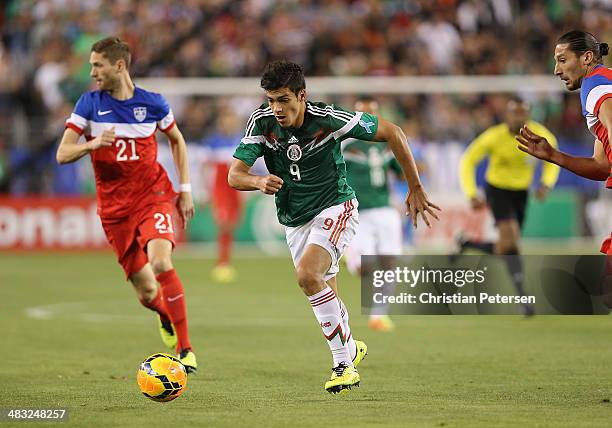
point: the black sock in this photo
(515, 268)
(486, 247)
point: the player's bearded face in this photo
(570, 67)
(288, 108)
(103, 72)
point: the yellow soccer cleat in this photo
(188, 358)
(381, 323)
(224, 274)
(343, 378)
(362, 351)
(167, 333)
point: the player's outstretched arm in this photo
(594, 168)
(417, 202)
(240, 178)
(70, 150)
(179, 154)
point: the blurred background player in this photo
(226, 201)
(380, 225)
(300, 142)
(136, 200)
(508, 177)
(579, 63)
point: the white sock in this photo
(350, 342)
(326, 308)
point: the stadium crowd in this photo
(45, 44)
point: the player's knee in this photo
(160, 264)
(146, 291)
(308, 280)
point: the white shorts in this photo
(379, 233)
(333, 229)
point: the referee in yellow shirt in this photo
(508, 177)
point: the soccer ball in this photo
(162, 377)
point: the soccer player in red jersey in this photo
(135, 197)
(578, 62)
(226, 201)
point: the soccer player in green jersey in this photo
(380, 225)
(300, 142)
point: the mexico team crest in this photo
(294, 152)
(140, 113)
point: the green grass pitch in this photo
(73, 335)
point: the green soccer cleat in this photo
(362, 351)
(343, 378)
(167, 333)
(188, 359)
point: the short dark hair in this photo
(113, 48)
(283, 74)
(582, 41)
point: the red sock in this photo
(225, 247)
(174, 299)
(157, 305)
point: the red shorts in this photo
(129, 235)
(227, 205)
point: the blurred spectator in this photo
(43, 44)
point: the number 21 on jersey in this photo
(127, 150)
(163, 223)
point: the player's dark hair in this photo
(583, 41)
(283, 74)
(113, 49)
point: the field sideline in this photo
(74, 335)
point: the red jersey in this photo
(595, 89)
(127, 173)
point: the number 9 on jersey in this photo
(294, 169)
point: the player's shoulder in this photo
(599, 76)
(151, 98)
(89, 97)
(322, 109)
(146, 106)
(87, 103)
(261, 118)
(263, 111)
(328, 116)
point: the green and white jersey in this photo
(367, 164)
(308, 159)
